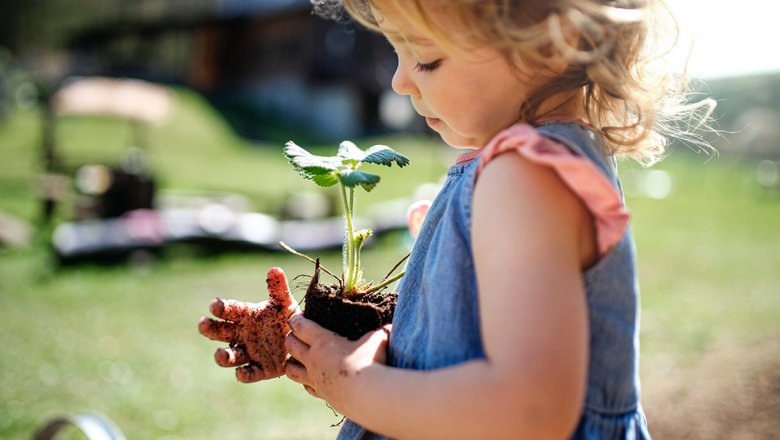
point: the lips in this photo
(430, 120)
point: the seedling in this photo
(342, 170)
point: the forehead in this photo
(398, 26)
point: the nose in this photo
(402, 83)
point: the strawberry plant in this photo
(343, 170)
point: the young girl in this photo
(518, 314)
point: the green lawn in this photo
(122, 340)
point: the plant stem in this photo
(349, 243)
(385, 283)
(396, 266)
(356, 274)
(355, 245)
(286, 247)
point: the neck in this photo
(563, 106)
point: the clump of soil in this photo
(349, 317)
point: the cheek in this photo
(501, 105)
(486, 117)
(476, 108)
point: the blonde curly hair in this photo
(612, 48)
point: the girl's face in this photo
(467, 96)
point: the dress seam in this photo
(612, 412)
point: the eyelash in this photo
(428, 67)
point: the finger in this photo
(251, 373)
(307, 330)
(387, 329)
(230, 309)
(297, 348)
(279, 291)
(377, 341)
(296, 371)
(378, 338)
(217, 330)
(380, 335)
(230, 357)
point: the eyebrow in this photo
(418, 41)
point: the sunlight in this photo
(729, 38)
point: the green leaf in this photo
(352, 178)
(351, 152)
(308, 164)
(328, 179)
(384, 155)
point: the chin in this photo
(457, 141)
(461, 143)
(464, 147)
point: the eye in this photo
(427, 67)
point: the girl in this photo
(518, 314)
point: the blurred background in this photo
(141, 175)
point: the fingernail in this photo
(217, 306)
(295, 320)
(242, 375)
(203, 324)
(275, 271)
(221, 356)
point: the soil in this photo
(351, 318)
(728, 392)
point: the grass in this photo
(122, 340)
(714, 242)
(708, 265)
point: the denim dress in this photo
(436, 322)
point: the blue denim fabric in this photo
(436, 321)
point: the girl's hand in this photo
(323, 362)
(255, 332)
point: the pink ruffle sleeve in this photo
(578, 173)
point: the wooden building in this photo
(271, 67)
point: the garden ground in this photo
(122, 340)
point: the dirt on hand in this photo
(255, 332)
